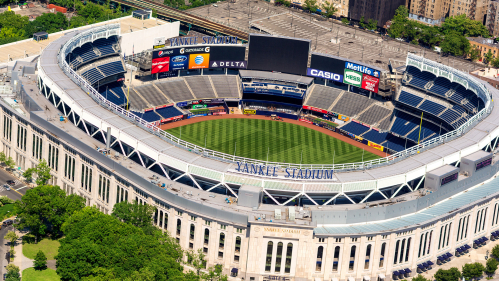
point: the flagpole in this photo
(420, 124)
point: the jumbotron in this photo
(105, 106)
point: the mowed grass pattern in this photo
(284, 142)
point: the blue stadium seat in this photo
(409, 99)
(111, 68)
(432, 107)
(404, 123)
(92, 75)
(168, 112)
(419, 78)
(114, 93)
(441, 86)
(427, 129)
(355, 128)
(86, 52)
(149, 116)
(397, 144)
(375, 136)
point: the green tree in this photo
(40, 262)
(401, 14)
(134, 213)
(9, 19)
(451, 274)
(28, 174)
(12, 237)
(47, 22)
(372, 24)
(215, 274)
(310, 5)
(328, 9)
(473, 270)
(495, 251)
(12, 273)
(431, 36)
(10, 163)
(362, 22)
(42, 171)
(154, 13)
(46, 205)
(456, 45)
(97, 245)
(345, 20)
(197, 260)
(464, 26)
(491, 266)
(77, 21)
(488, 57)
(2, 157)
(12, 253)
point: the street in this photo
(16, 191)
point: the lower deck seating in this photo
(322, 96)
(355, 128)
(114, 93)
(168, 112)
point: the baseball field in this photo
(279, 141)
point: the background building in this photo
(380, 10)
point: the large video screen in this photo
(197, 58)
(329, 64)
(288, 55)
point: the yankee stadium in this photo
(277, 159)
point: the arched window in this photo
(336, 258)
(402, 250)
(480, 222)
(459, 228)
(222, 241)
(278, 258)
(179, 226)
(424, 243)
(318, 262)
(289, 255)
(397, 245)
(268, 259)
(206, 236)
(440, 238)
(421, 244)
(191, 232)
(352, 258)
(429, 242)
(368, 256)
(382, 255)
(155, 219)
(448, 234)
(166, 220)
(494, 215)
(161, 219)
(237, 249)
(484, 218)
(466, 231)
(407, 249)
(445, 234)
(477, 219)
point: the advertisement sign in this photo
(160, 65)
(197, 61)
(324, 74)
(370, 83)
(353, 78)
(172, 118)
(315, 109)
(167, 74)
(182, 104)
(375, 145)
(228, 64)
(197, 115)
(219, 113)
(305, 120)
(179, 62)
(343, 117)
(249, 111)
(359, 138)
(158, 46)
(362, 69)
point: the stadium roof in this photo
(275, 76)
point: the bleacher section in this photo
(136, 102)
(374, 114)
(86, 53)
(432, 107)
(149, 116)
(355, 128)
(168, 112)
(200, 86)
(394, 143)
(408, 98)
(105, 46)
(114, 93)
(441, 86)
(323, 96)
(351, 104)
(408, 126)
(112, 68)
(92, 75)
(419, 79)
(404, 123)
(152, 95)
(226, 85)
(175, 89)
(375, 136)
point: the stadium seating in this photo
(427, 129)
(114, 93)
(152, 95)
(92, 75)
(394, 143)
(355, 128)
(136, 101)
(450, 116)
(432, 107)
(419, 79)
(105, 46)
(409, 98)
(351, 104)
(226, 85)
(175, 89)
(168, 112)
(112, 68)
(385, 124)
(200, 86)
(323, 96)
(374, 114)
(86, 53)
(404, 123)
(149, 116)
(375, 136)
(441, 86)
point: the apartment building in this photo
(434, 12)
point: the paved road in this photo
(16, 191)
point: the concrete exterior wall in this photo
(142, 40)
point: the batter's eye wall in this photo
(288, 55)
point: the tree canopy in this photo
(451, 274)
(135, 214)
(101, 247)
(464, 26)
(473, 270)
(45, 208)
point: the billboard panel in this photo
(370, 83)
(288, 55)
(325, 74)
(197, 61)
(353, 78)
(227, 53)
(362, 69)
(179, 62)
(161, 64)
(328, 64)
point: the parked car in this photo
(7, 222)
(11, 182)
(6, 186)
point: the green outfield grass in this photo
(284, 142)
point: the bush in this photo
(40, 262)
(5, 200)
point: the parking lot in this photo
(326, 37)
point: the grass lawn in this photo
(48, 246)
(30, 274)
(6, 209)
(284, 142)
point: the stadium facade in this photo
(451, 205)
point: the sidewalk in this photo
(19, 259)
(475, 255)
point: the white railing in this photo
(232, 158)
